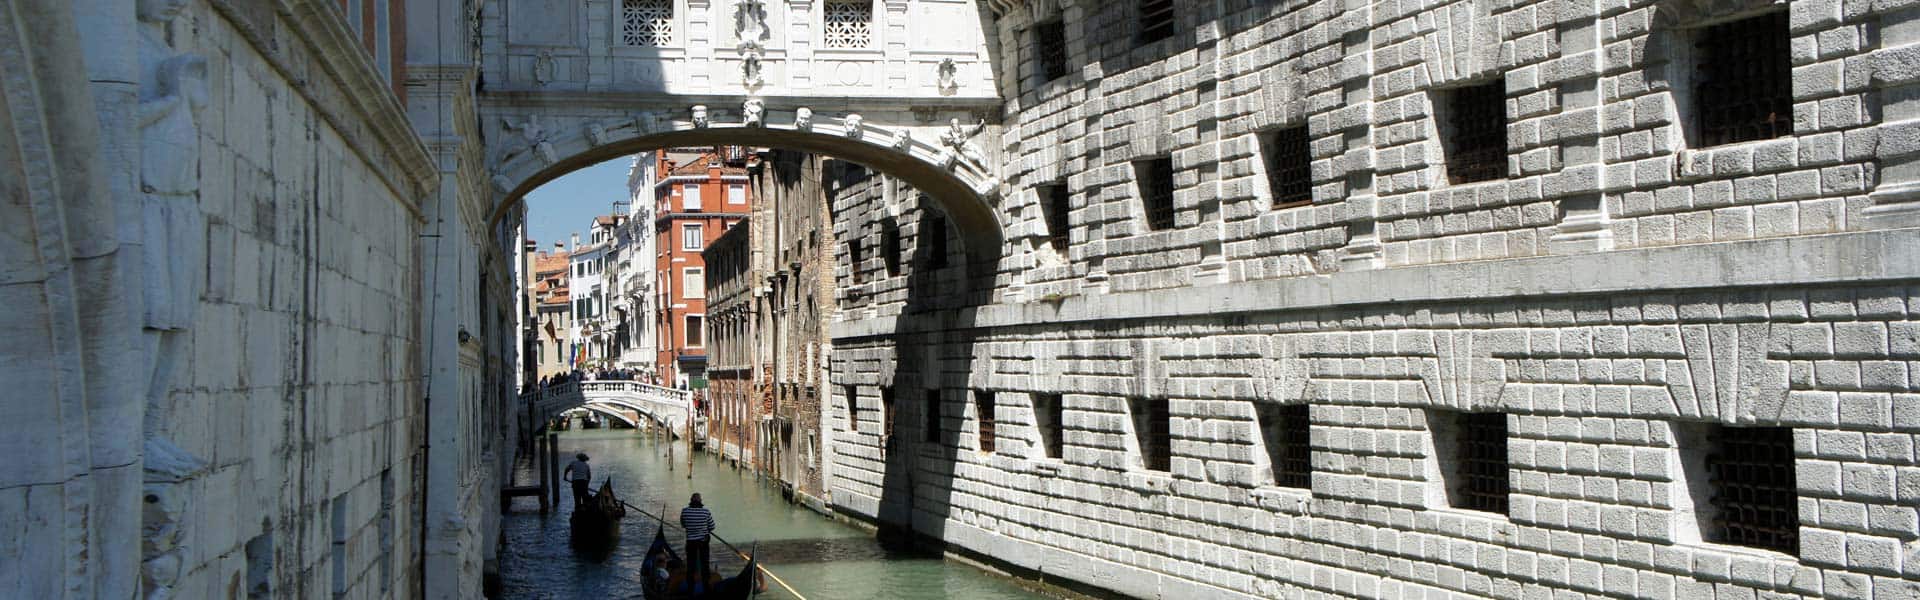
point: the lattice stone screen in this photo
(646, 22)
(848, 24)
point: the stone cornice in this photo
(506, 99)
(345, 89)
(1833, 259)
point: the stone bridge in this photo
(661, 406)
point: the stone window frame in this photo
(1052, 58)
(1154, 185)
(932, 234)
(1677, 38)
(695, 242)
(1279, 424)
(686, 287)
(1049, 425)
(1448, 120)
(1149, 421)
(856, 251)
(1278, 144)
(891, 248)
(1056, 215)
(869, 41)
(1704, 481)
(624, 11)
(1146, 33)
(1457, 461)
(986, 420)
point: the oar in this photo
(757, 566)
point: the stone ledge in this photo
(1810, 260)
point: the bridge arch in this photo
(533, 144)
(610, 413)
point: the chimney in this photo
(576, 242)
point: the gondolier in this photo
(578, 473)
(698, 521)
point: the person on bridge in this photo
(580, 475)
(698, 522)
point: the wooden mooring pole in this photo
(553, 464)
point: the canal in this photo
(822, 558)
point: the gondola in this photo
(738, 587)
(595, 524)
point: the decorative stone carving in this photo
(753, 113)
(596, 133)
(803, 119)
(167, 469)
(853, 122)
(751, 71)
(958, 140)
(173, 89)
(949, 76)
(534, 135)
(543, 67)
(700, 116)
(903, 141)
(750, 24)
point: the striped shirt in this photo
(698, 522)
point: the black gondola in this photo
(675, 585)
(595, 524)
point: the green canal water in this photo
(822, 558)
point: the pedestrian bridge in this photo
(664, 407)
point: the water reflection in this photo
(823, 559)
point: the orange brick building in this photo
(701, 193)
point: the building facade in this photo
(701, 194)
(551, 327)
(734, 294)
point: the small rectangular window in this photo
(933, 233)
(1289, 166)
(1157, 20)
(1155, 179)
(692, 236)
(1476, 134)
(983, 404)
(1055, 205)
(847, 24)
(690, 197)
(646, 22)
(886, 411)
(1286, 429)
(1150, 427)
(1745, 87)
(854, 256)
(890, 248)
(1472, 452)
(696, 337)
(693, 282)
(931, 414)
(736, 194)
(1050, 43)
(1751, 491)
(1047, 413)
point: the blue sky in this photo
(566, 205)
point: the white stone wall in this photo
(301, 390)
(1617, 284)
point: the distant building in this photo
(733, 307)
(700, 194)
(552, 310)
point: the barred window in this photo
(854, 256)
(932, 415)
(983, 402)
(1050, 39)
(1745, 86)
(1289, 166)
(1286, 429)
(1753, 497)
(1054, 206)
(848, 24)
(933, 237)
(1150, 429)
(1047, 413)
(646, 22)
(890, 247)
(1156, 20)
(1476, 135)
(1155, 178)
(1472, 450)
